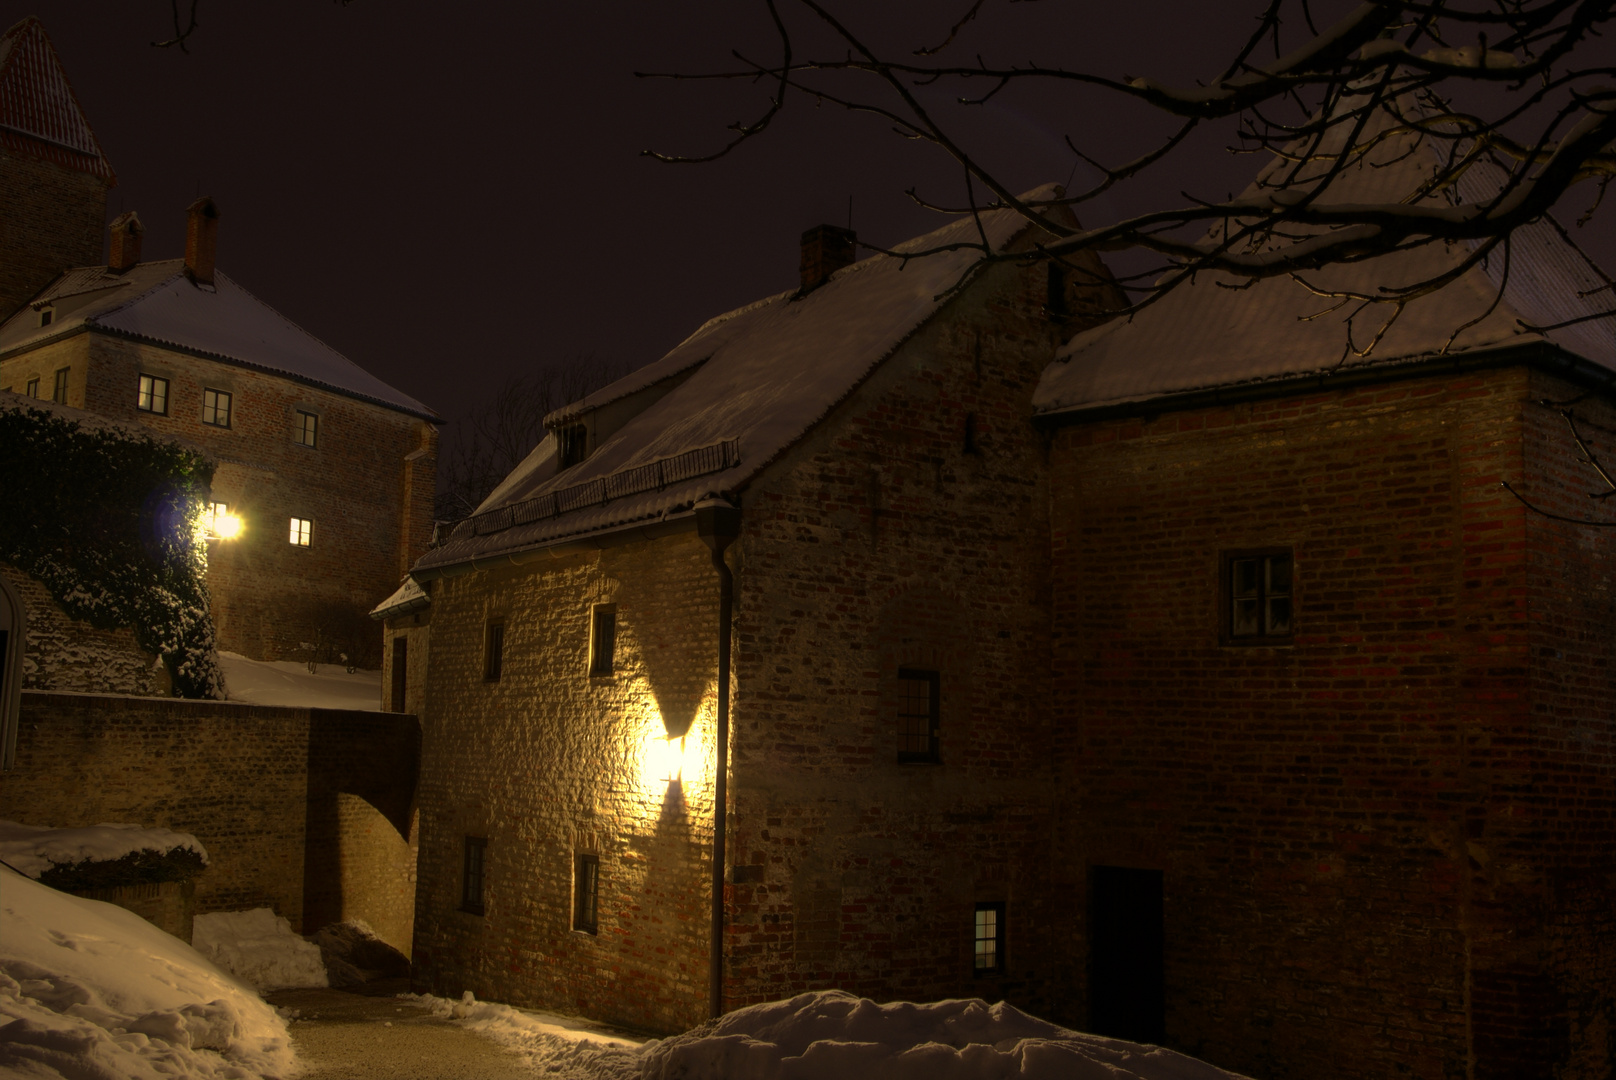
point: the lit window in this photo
(603, 640)
(1258, 586)
(307, 428)
(494, 651)
(919, 715)
(471, 880)
(33, 388)
(586, 893)
(59, 392)
(989, 953)
(216, 409)
(302, 529)
(220, 523)
(153, 396)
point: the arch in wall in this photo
(13, 643)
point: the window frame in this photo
(602, 623)
(306, 428)
(932, 754)
(572, 445)
(61, 386)
(586, 900)
(1226, 597)
(229, 399)
(474, 872)
(47, 316)
(149, 394)
(300, 537)
(32, 388)
(494, 650)
(998, 967)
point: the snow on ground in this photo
(259, 948)
(89, 991)
(831, 1035)
(33, 848)
(288, 682)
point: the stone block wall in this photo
(64, 653)
(51, 218)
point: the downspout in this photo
(718, 523)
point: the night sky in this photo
(452, 193)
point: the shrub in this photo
(148, 867)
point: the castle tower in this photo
(53, 175)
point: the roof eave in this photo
(561, 547)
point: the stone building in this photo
(889, 787)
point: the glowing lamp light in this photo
(220, 524)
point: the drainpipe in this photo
(718, 523)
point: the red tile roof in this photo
(39, 113)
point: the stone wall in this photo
(263, 788)
(51, 218)
(65, 653)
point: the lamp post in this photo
(718, 523)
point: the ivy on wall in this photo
(107, 520)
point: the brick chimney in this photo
(124, 252)
(825, 250)
(201, 236)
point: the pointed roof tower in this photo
(39, 113)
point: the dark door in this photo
(401, 671)
(1126, 995)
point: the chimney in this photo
(201, 236)
(825, 250)
(125, 249)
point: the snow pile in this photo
(565, 1047)
(89, 991)
(289, 683)
(32, 849)
(259, 948)
(831, 1034)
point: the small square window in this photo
(919, 715)
(1259, 601)
(302, 532)
(216, 408)
(494, 651)
(586, 893)
(33, 388)
(988, 956)
(153, 397)
(471, 878)
(603, 640)
(59, 391)
(307, 428)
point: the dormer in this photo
(581, 428)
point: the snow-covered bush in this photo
(105, 517)
(100, 856)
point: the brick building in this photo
(893, 490)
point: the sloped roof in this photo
(1204, 336)
(768, 372)
(39, 113)
(157, 302)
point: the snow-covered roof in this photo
(405, 599)
(39, 113)
(1204, 336)
(765, 374)
(157, 302)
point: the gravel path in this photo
(344, 1035)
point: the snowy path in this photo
(347, 1036)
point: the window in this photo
(153, 397)
(586, 893)
(988, 958)
(212, 515)
(603, 640)
(401, 671)
(33, 388)
(216, 408)
(471, 878)
(572, 445)
(1258, 597)
(494, 651)
(301, 532)
(1055, 305)
(59, 391)
(47, 316)
(307, 428)
(918, 715)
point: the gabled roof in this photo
(39, 113)
(1206, 337)
(157, 302)
(765, 374)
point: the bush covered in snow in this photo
(105, 517)
(100, 856)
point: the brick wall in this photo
(238, 777)
(51, 218)
(65, 653)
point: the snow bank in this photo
(288, 683)
(89, 991)
(258, 947)
(565, 1047)
(33, 848)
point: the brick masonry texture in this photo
(367, 486)
(884, 539)
(1385, 846)
(51, 218)
(64, 653)
(268, 791)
